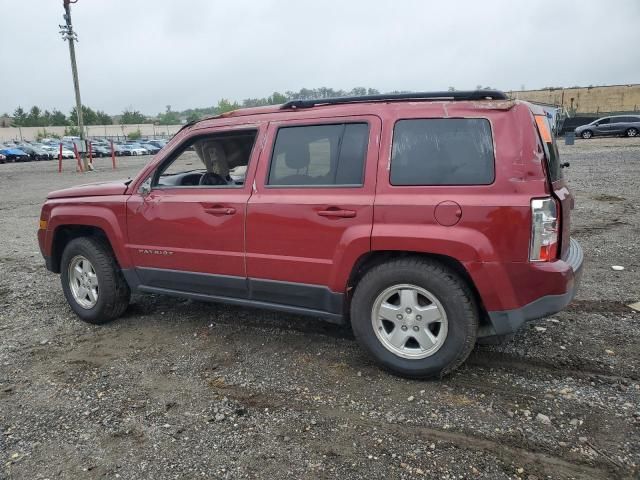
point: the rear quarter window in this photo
(442, 151)
(551, 153)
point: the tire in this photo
(113, 292)
(449, 293)
(587, 134)
(631, 132)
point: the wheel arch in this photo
(376, 257)
(64, 234)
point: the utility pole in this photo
(70, 36)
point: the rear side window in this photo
(444, 151)
(551, 153)
(319, 155)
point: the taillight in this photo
(544, 230)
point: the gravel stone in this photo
(141, 397)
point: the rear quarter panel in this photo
(494, 227)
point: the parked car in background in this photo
(39, 147)
(99, 150)
(50, 149)
(68, 153)
(13, 154)
(135, 149)
(55, 151)
(617, 125)
(35, 153)
(158, 143)
(151, 148)
(3, 158)
(120, 150)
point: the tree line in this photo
(276, 98)
(36, 117)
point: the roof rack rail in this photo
(395, 97)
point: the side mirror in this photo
(145, 188)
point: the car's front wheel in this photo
(416, 317)
(632, 132)
(587, 134)
(92, 281)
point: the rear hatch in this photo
(556, 178)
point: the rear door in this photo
(618, 125)
(311, 212)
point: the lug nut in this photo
(408, 310)
(416, 328)
(404, 328)
(418, 317)
(399, 316)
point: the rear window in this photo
(443, 151)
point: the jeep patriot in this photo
(426, 221)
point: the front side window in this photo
(603, 121)
(219, 160)
(319, 155)
(442, 151)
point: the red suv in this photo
(425, 220)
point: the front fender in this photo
(106, 213)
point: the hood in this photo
(97, 189)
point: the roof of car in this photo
(293, 105)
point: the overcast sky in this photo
(146, 54)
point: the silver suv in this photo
(628, 125)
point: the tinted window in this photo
(452, 151)
(603, 121)
(626, 119)
(319, 155)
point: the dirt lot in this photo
(181, 389)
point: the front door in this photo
(603, 127)
(187, 233)
(312, 212)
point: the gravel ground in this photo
(181, 389)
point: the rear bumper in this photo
(505, 322)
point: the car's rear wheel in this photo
(92, 281)
(587, 134)
(632, 132)
(416, 317)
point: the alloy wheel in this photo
(409, 321)
(83, 282)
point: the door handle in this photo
(220, 210)
(337, 213)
